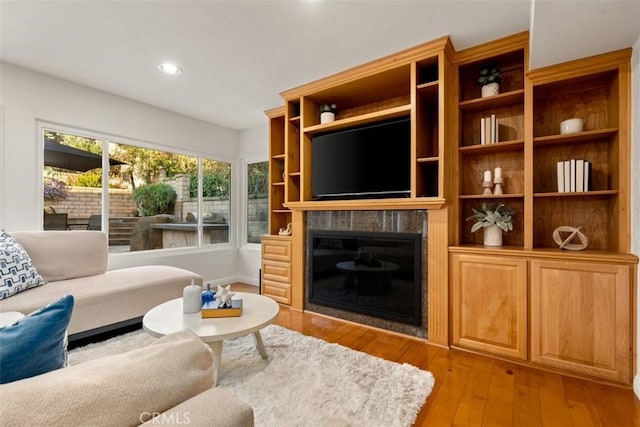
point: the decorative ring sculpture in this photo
(566, 243)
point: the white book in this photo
(587, 175)
(560, 167)
(572, 175)
(482, 141)
(567, 176)
(579, 176)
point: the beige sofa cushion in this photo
(116, 390)
(214, 407)
(62, 255)
(108, 298)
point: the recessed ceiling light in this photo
(169, 68)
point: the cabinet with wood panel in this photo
(573, 296)
(489, 304)
(581, 317)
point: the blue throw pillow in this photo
(17, 272)
(36, 343)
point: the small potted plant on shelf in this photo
(328, 113)
(489, 80)
(493, 221)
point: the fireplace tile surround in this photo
(398, 221)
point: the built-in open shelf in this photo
(388, 113)
(576, 138)
(578, 194)
(514, 145)
(369, 204)
(497, 101)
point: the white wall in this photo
(253, 146)
(635, 185)
(28, 96)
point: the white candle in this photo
(497, 173)
(487, 176)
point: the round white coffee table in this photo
(257, 312)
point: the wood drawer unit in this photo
(276, 271)
(276, 268)
(276, 248)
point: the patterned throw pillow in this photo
(17, 272)
(37, 343)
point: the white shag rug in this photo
(304, 381)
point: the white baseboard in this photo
(231, 279)
(248, 280)
(636, 385)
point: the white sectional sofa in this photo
(75, 262)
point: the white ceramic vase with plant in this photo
(494, 221)
(489, 81)
(328, 113)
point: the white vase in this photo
(327, 117)
(192, 298)
(490, 89)
(492, 236)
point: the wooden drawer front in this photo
(489, 304)
(580, 318)
(276, 271)
(280, 292)
(277, 250)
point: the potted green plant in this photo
(493, 220)
(489, 79)
(328, 113)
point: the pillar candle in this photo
(487, 176)
(497, 173)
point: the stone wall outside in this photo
(82, 202)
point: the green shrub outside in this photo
(88, 179)
(154, 199)
(213, 185)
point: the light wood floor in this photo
(477, 390)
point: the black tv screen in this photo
(372, 161)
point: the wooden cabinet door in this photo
(489, 304)
(580, 317)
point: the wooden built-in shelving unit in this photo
(493, 300)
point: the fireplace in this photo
(372, 273)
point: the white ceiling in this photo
(239, 55)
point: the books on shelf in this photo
(573, 176)
(488, 130)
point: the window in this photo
(216, 201)
(151, 196)
(257, 200)
(72, 182)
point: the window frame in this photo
(244, 214)
(107, 138)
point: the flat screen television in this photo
(372, 161)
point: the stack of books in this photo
(210, 309)
(574, 176)
(488, 130)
